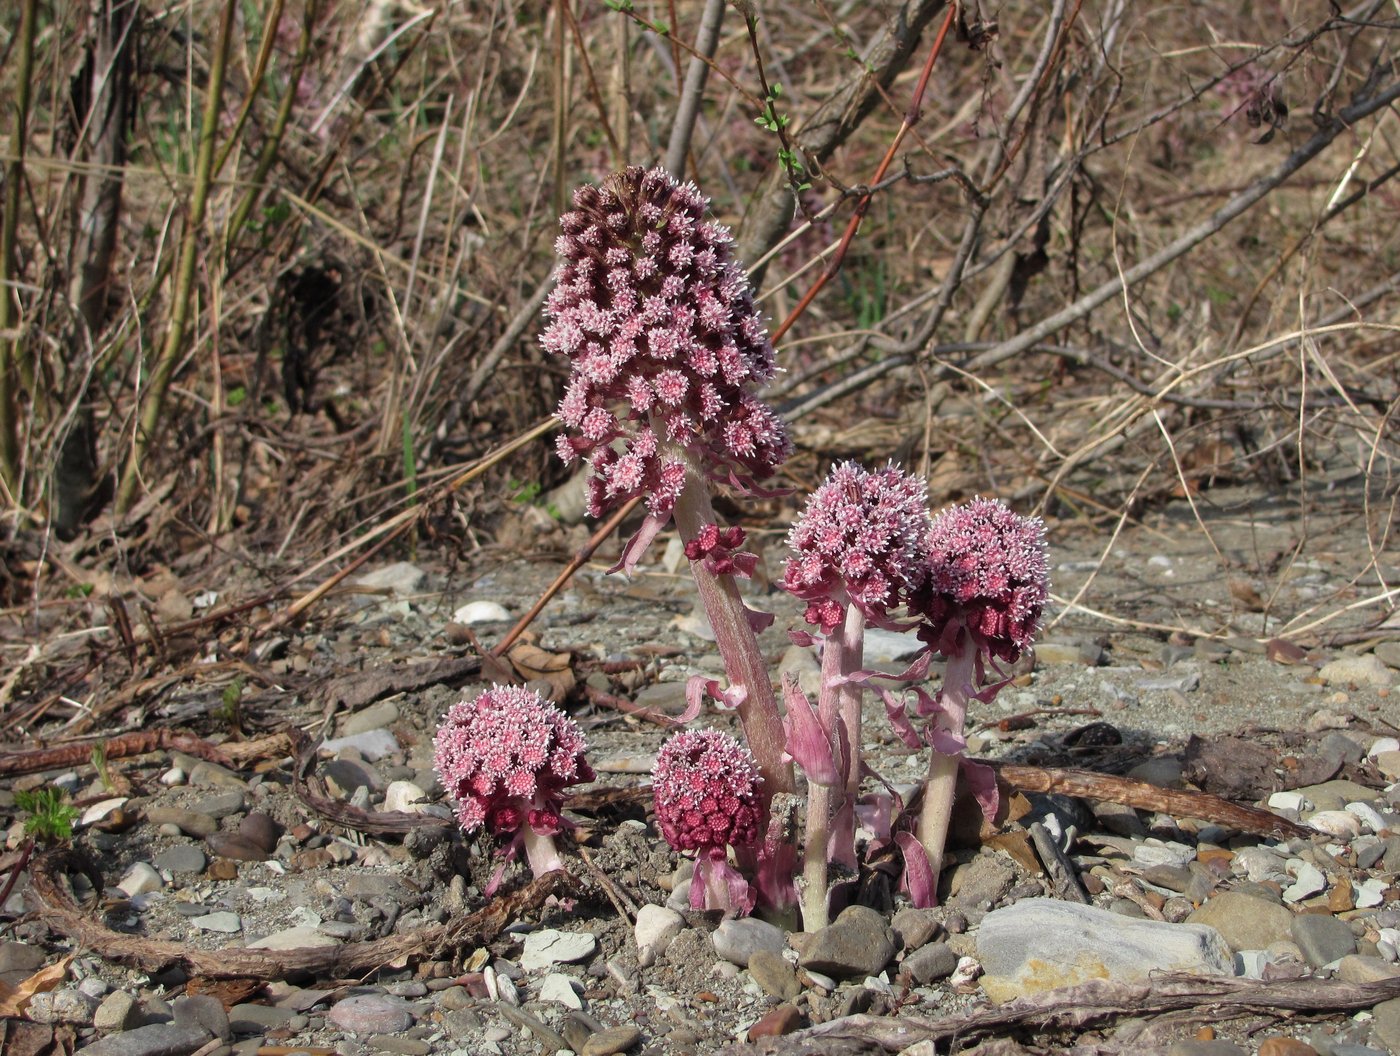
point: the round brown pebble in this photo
(778, 1021)
(1205, 1034)
(1285, 1047)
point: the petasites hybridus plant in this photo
(857, 555)
(506, 757)
(666, 347)
(706, 789)
(981, 601)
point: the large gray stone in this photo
(1041, 944)
(158, 1039)
(736, 940)
(1245, 922)
(859, 942)
(1322, 938)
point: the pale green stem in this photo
(943, 769)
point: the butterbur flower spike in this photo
(982, 600)
(666, 345)
(706, 789)
(506, 757)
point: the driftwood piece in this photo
(123, 745)
(1079, 1008)
(57, 910)
(380, 823)
(1064, 878)
(1085, 784)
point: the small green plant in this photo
(50, 818)
(777, 123)
(229, 711)
(99, 762)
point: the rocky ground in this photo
(1192, 659)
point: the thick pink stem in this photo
(738, 645)
(841, 705)
(540, 852)
(943, 769)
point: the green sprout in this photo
(99, 762)
(50, 818)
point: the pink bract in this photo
(860, 540)
(666, 345)
(506, 757)
(706, 788)
(987, 572)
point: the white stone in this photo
(559, 988)
(293, 939)
(1163, 853)
(1041, 944)
(140, 879)
(404, 796)
(99, 810)
(222, 921)
(1369, 816)
(474, 612)
(549, 947)
(1343, 824)
(373, 744)
(655, 928)
(173, 777)
(1370, 893)
(882, 646)
(1308, 881)
(1288, 801)
(1384, 744)
(400, 578)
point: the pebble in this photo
(1323, 938)
(1385, 1023)
(118, 1011)
(399, 1045)
(293, 938)
(736, 940)
(158, 1039)
(211, 775)
(370, 1014)
(202, 1012)
(67, 1005)
(100, 810)
(255, 1019)
(982, 883)
(374, 717)
(405, 796)
(140, 879)
(930, 963)
(549, 947)
(1356, 968)
(1205, 1048)
(346, 776)
(222, 921)
(1340, 824)
(189, 822)
(1335, 795)
(1280, 1046)
(235, 847)
(1308, 881)
(260, 830)
(1367, 670)
(402, 578)
(654, 931)
(778, 1021)
(372, 745)
(559, 988)
(916, 926)
(1369, 816)
(1054, 653)
(1245, 922)
(220, 806)
(181, 858)
(611, 1041)
(858, 943)
(20, 957)
(774, 975)
(1041, 944)
(474, 612)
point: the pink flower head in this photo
(860, 540)
(706, 789)
(660, 327)
(506, 757)
(987, 573)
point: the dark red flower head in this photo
(706, 787)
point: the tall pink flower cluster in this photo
(706, 790)
(861, 540)
(506, 757)
(987, 572)
(666, 345)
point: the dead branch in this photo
(384, 822)
(121, 746)
(58, 910)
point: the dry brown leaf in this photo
(15, 999)
(531, 662)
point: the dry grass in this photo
(367, 330)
